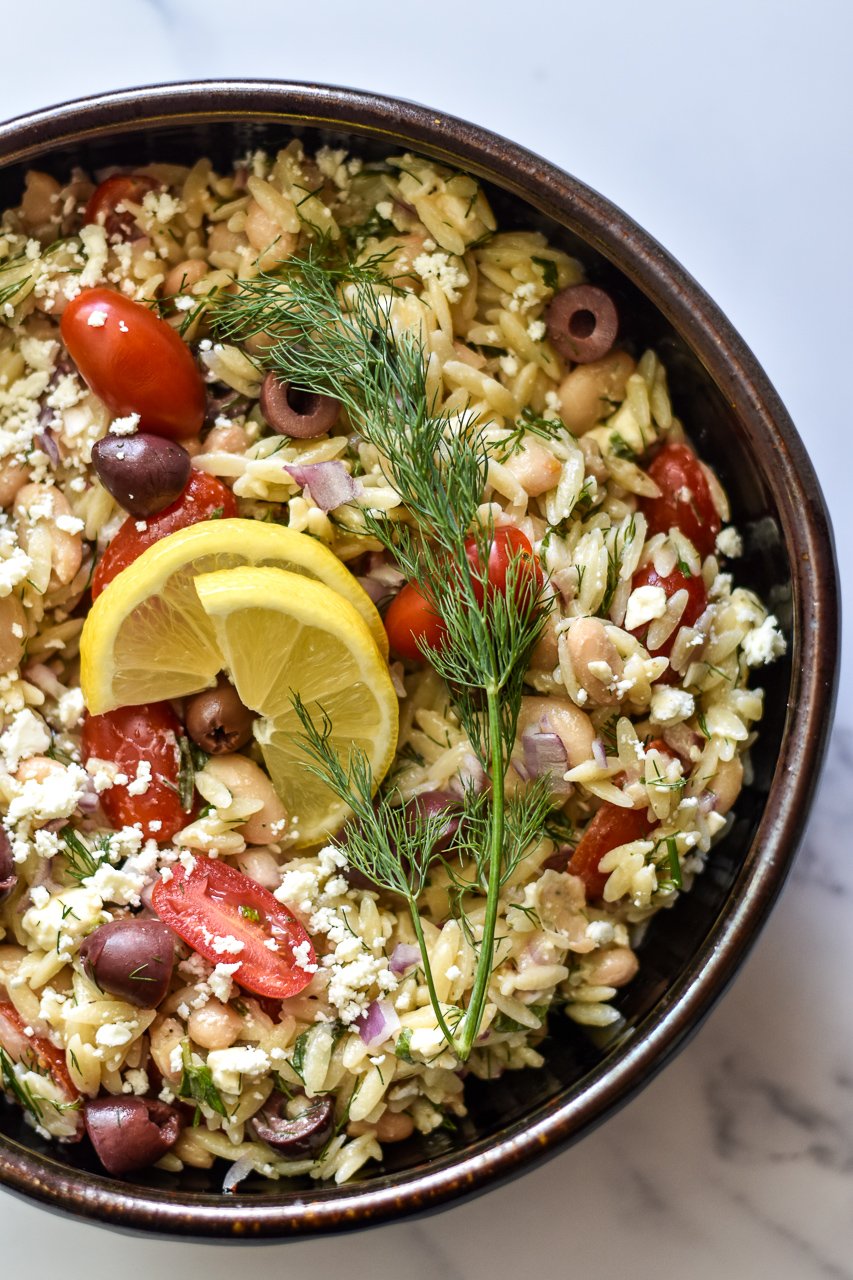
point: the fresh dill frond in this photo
(328, 322)
(197, 1084)
(81, 861)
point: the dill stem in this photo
(474, 1013)
(427, 967)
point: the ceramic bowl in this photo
(692, 952)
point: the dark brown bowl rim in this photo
(807, 533)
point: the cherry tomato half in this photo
(215, 904)
(103, 206)
(697, 599)
(508, 546)
(685, 501)
(127, 737)
(204, 498)
(36, 1052)
(410, 618)
(609, 827)
(134, 362)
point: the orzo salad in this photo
(372, 663)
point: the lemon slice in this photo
(146, 636)
(279, 634)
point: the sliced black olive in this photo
(582, 323)
(293, 412)
(304, 1135)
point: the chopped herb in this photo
(299, 1048)
(402, 1049)
(20, 1091)
(192, 761)
(549, 272)
(250, 913)
(81, 861)
(197, 1084)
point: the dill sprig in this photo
(328, 329)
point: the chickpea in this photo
(67, 548)
(13, 633)
(560, 715)
(182, 277)
(38, 769)
(215, 1025)
(267, 237)
(588, 643)
(13, 476)
(614, 968)
(247, 781)
(230, 439)
(587, 394)
(727, 783)
(535, 468)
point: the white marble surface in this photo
(724, 129)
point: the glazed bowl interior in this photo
(739, 426)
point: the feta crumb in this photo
(764, 643)
(97, 319)
(124, 426)
(26, 736)
(644, 605)
(112, 1035)
(536, 330)
(670, 705)
(228, 1065)
(440, 267)
(220, 982)
(730, 543)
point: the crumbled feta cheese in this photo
(69, 709)
(729, 543)
(26, 736)
(112, 1035)
(536, 330)
(600, 932)
(644, 604)
(301, 957)
(97, 319)
(142, 781)
(670, 705)
(220, 981)
(764, 643)
(124, 426)
(227, 1066)
(442, 268)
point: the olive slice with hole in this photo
(290, 411)
(582, 323)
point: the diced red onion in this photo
(707, 802)
(330, 483)
(599, 755)
(404, 956)
(374, 589)
(545, 753)
(239, 1170)
(378, 1023)
(46, 441)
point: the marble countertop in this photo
(723, 129)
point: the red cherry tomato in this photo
(36, 1052)
(409, 619)
(105, 201)
(697, 600)
(204, 498)
(134, 362)
(213, 902)
(127, 737)
(609, 827)
(685, 500)
(508, 545)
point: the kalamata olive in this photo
(143, 472)
(131, 959)
(582, 323)
(304, 1135)
(8, 879)
(217, 720)
(130, 1133)
(293, 412)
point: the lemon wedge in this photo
(147, 637)
(278, 634)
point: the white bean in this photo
(534, 467)
(588, 393)
(560, 715)
(614, 968)
(247, 781)
(13, 476)
(164, 1034)
(261, 866)
(182, 277)
(230, 439)
(41, 502)
(13, 633)
(588, 643)
(215, 1025)
(267, 237)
